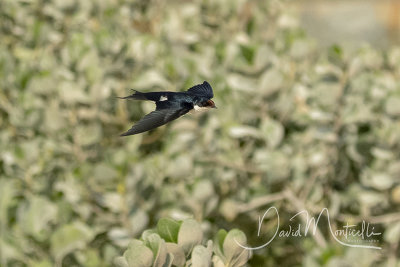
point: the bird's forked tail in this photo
(137, 96)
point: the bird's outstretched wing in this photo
(203, 89)
(155, 119)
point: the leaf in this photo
(271, 81)
(121, 262)
(88, 134)
(168, 260)
(219, 242)
(201, 257)
(68, 238)
(104, 173)
(229, 209)
(392, 233)
(244, 131)
(190, 235)
(168, 229)
(203, 191)
(7, 194)
(157, 246)
(138, 255)
(272, 132)
(138, 220)
(119, 236)
(35, 216)
(10, 251)
(232, 251)
(89, 257)
(150, 79)
(392, 106)
(177, 252)
(241, 83)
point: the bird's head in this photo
(210, 104)
(203, 106)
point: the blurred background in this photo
(308, 117)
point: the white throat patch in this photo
(163, 98)
(197, 108)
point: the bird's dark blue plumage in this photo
(171, 105)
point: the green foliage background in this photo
(298, 127)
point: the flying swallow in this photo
(171, 105)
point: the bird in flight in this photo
(171, 105)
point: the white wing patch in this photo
(163, 98)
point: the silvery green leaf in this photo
(42, 84)
(168, 260)
(42, 263)
(271, 81)
(232, 251)
(139, 220)
(395, 196)
(211, 204)
(168, 229)
(37, 226)
(394, 57)
(190, 235)
(113, 201)
(272, 132)
(392, 106)
(203, 190)
(104, 173)
(263, 56)
(219, 243)
(241, 83)
(365, 257)
(70, 93)
(157, 246)
(138, 255)
(64, 4)
(378, 180)
(228, 209)
(10, 252)
(217, 261)
(369, 199)
(244, 131)
(121, 262)
(392, 233)
(70, 189)
(7, 194)
(146, 233)
(371, 58)
(382, 153)
(53, 117)
(180, 167)
(274, 162)
(119, 236)
(177, 252)
(88, 134)
(150, 79)
(301, 49)
(201, 256)
(70, 237)
(88, 257)
(354, 154)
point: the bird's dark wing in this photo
(203, 89)
(155, 119)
